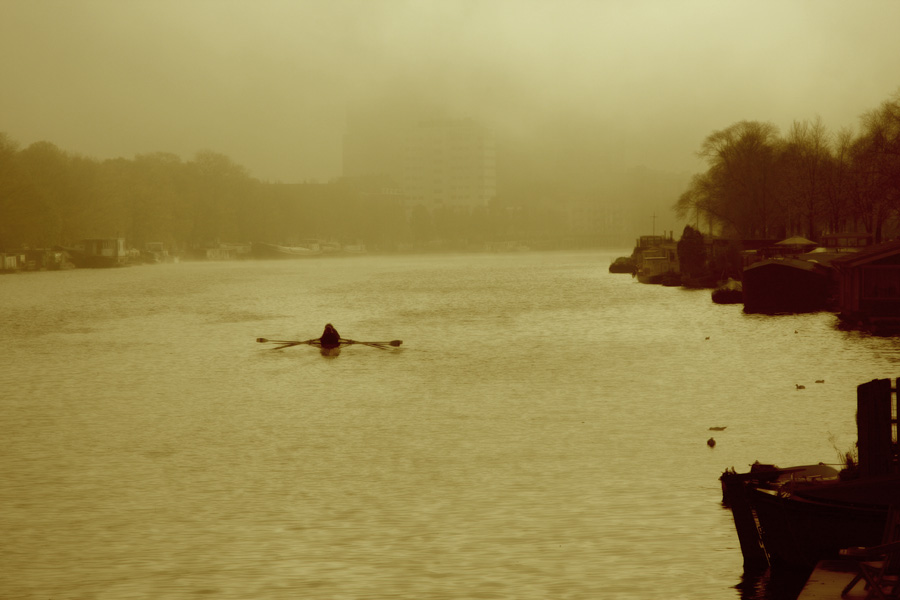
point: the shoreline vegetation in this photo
(758, 185)
(809, 182)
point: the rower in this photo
(330, 337)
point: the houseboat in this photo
(98, 253)
(869, 287)
(656, 258)
(786, 285)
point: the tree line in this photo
(51, 197)
(809, 182)
(758, 184)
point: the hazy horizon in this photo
(605, 85)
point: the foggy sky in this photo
(271, 83)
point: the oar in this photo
(285, 343)
(382, 345)
(317, 341)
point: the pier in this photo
(829, 578)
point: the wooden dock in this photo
(829, 578)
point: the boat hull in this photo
(798, 532)
(622, 264)
(267, 251)
(729, 293)
(649, 279)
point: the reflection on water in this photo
(540, 434)
(769, 585)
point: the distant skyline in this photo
(585, 87)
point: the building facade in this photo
(439, 163)
(450, 164)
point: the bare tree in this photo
(806, 154)
(738, 188)
(876, 165)
(838, 184)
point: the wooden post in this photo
(895, 429)
(874, 427)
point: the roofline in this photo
(870, 254)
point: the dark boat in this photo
(658, 269)
(97, 253)
(649, 278)
(730, 292)
(623, 264)
(797, 530)
(797, 517)
(670, 279)
(786, 285)
(793, 518)
(329, 343)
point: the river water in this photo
(541, 433)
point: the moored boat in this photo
(786, 285)
(730, 292)
(800, 522)
(796, 517)
(623, 264)
(670, 279)
(652, 269)
(97, 253)
(262, 250)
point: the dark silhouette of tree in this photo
(692, 254)
(217, 187)
(738, 189)
(697, 203)
(158, 200)
(13, 191)
(877, 162)
(836, 195)
(804, 158)
(760, 185)
(48, 189)
(870, 204)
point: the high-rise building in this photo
(435, 163)
(450, 163)
(373, 146)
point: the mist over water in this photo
(540, 434)
(574, 87)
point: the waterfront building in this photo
(435, 163)
(870, 285)
(450, 164)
